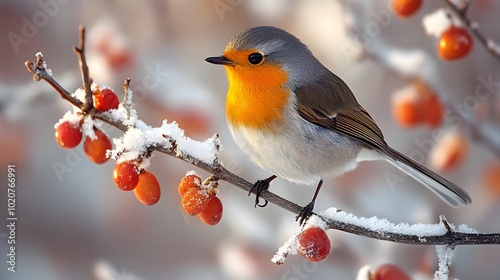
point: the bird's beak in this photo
(219, 60)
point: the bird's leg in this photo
(259, 187)
(307, 211)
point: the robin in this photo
(295, 118)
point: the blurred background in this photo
(73, 223)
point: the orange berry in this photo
(313, 244)
(188, 182)
(389, 272)
(455, 43)
(405, 8)
(491, 179)
(407, 113)
(434, 111)
(148, 189)
(194, 201)
(450, 151)
(96, 149)
(126, 175)
(212, 213)
(105, 99)
(68, 136)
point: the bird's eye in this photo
(255, 58)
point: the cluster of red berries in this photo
(200, 199)
(69, 135)
(454, 43)
(126, 175)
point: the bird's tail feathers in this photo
(446, 190)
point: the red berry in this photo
(96, 149)
(455, 43)
(212, 213)
(313, 244)
(188, 182)
(148, 189)
(67, 135)
(105, 99)
(194, 201)
(389, 272)
(126, 175)
(405, 8)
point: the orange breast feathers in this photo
(257, 94)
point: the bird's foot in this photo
(305, 213)
(258, 188)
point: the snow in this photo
(44, 64)
(406, 62)
(363, 273)
(136, 140)
(122, 115)
(445, 256)
(79, 94)
(71, 117)
(290, 247)
(88, 127)
(384, 226)
(465, 229)
(139, 137)
(436, 23)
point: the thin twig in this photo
(80, 52)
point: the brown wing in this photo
(319, 103)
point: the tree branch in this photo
(335, 219)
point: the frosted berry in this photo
(96, 148)
(188, 182)
(126, 175)
(105, 99)
(194, 201)
(68, 136)
(313, 244)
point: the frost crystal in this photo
(445, 256)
